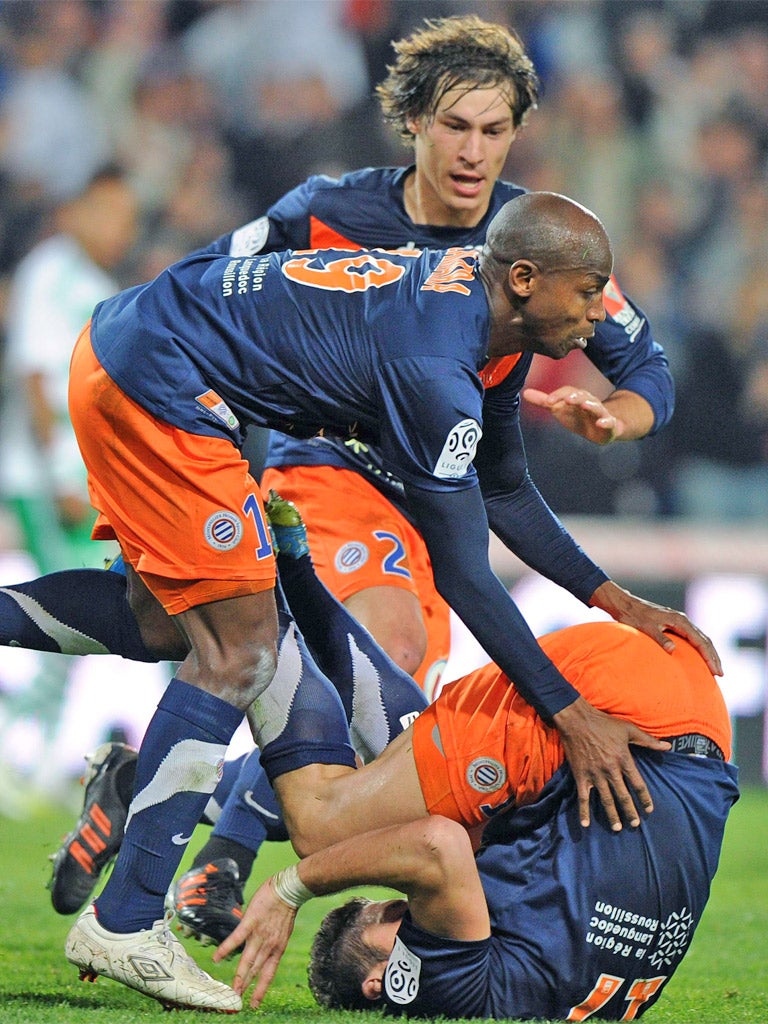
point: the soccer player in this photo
(169, 374)
(458, 92)
(548, 921)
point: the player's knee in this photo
(248, 671)
(394, 619)
(406, 647)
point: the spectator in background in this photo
(693, 93)
(288, 77)
(53, 135)
(54, 288)
(42, 477)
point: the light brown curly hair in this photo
(462, 51)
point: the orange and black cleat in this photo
(208, 901)
(96, 838)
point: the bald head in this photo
(551, 231)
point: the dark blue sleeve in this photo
(517, 513)
(454, 526)
(625, 352)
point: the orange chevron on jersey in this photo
(322, 236)
(622, 311)
(495, 370)
(613, 299)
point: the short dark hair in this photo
(340, 960)
(450, 52)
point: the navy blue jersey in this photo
(376, 346)
(365, 209)
(584, 922)
(381, 347)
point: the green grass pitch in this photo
(723, 980)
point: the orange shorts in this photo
(186, 511)
(358, 539)
(480, 746)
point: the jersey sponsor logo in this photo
(458, 451)
(456, 266)
(250, 238)
(219, 408)
(351, 556)
(223, 530)
(621, 310)
(401, 978)
(179, 839)
(486, 775)
(674, 939)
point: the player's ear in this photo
(522, 277)
(374, 981)
(413, 124)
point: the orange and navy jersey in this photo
(384, 347)
(585, 922)
(364, 209)
(480, 747)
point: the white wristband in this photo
(290, 888)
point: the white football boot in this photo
(154, 962)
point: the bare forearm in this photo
(392, 856)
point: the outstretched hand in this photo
(578, 411)
(266, 926)
(597, 748)
(657, 621)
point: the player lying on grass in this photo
(549, 920)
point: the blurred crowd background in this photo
(653, 114)
(198, 114)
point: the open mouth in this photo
(467, 184)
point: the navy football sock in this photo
(298, 720)
(219, 797)
(380, 699)
(76, 611)
(250, 815)
(179, 765)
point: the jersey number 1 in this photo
(607, 986)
